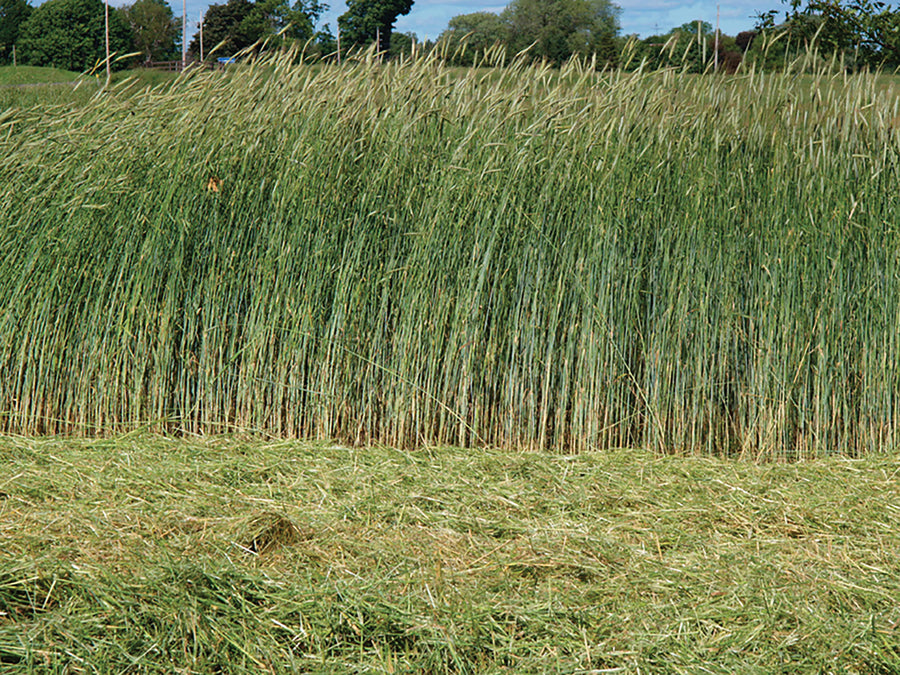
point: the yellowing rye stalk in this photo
(410, 254)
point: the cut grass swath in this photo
(152, 554)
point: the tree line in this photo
(70, 33)
(863, 33)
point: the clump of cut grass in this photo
(267, 531)
(132, 554)
(412, 255)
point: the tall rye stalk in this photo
(406, 253)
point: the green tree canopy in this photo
(226, 26)
(691, 46)
(402, 43)
(301, 17)
(558, 29)
(866, 32)
(13, 14)
(549, 29)
(703, 28)
(69, 34)
(154, 29)
(365, 20)
(326, 43)
(480, 31)
(239, 24)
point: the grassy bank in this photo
(26, 75)
(413, 255)
(146, 555)
(23, 87)
(26, 86)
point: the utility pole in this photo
(716, 56)
(201, 39)
(106, 30)
(701, 40)
(339, 44)
(14, 56)
(183, 33)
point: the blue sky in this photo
(644, 17)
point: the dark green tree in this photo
(239, 24)
(155, 31)
(691, 46)
(863, 32)
(478, 31)
(402, 43)
(365, 20)
(223, 27)
(559, 29)
(882, 45)
(596, 30)
(730, 53)
(744, 39)
(303, 17)
(326, 43)
(13, 14)
(69, 34)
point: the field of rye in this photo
(408, 254)
(397, 263)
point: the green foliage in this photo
(325, 41)
(690, 47)
(154, 29)
(299, 19)
(863, 33)
(365, 20)
(229, 27)
(477, 32)
(13, 14)
(69, 34)
(697, 28)
(402, 44)
(731, 56)
(239, 24)
(555, 30)
(558, 29)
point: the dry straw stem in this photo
(410, 254)
(137, 554)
